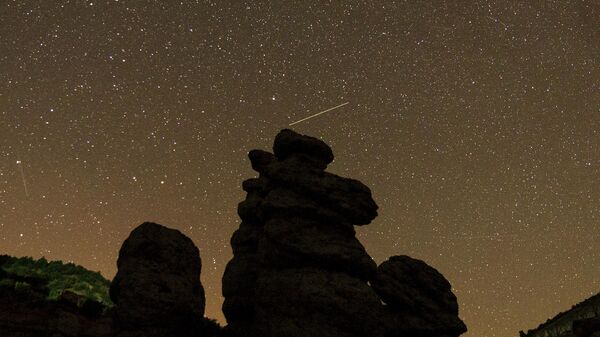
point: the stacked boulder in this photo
(298, 269)
(157, 290)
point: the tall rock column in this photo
(298, 269)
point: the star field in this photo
(475, 123)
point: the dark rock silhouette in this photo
(298, 269)
(157, 290)
(405, 283)
(418, 291)
(587, 327)
(23, 317)
(28, 312)
(563, 324)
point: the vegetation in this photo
(43, 279)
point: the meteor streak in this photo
(496, 236)
(23, 177)
(320, 113)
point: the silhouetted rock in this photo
(289, 143)
(34, 304)
(293, 242)
(587, 327)
(298, 269)
(25, 316)
(562, 325)
(310, 301)
(260, 159)
(414, 289)
(157, 290)
(240, 294)
(348, 197)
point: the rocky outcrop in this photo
(157, 290)
(587, 327)
(298, 269)
(157, 293)
(27, 311)
(563, 324)
(21, 317)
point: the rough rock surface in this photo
(157, 290)
(298, 269)
(587, 327)
(414, 288)
(288, 144)
(23, 317)
(316, 302)
(563, 324)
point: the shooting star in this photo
(498, 21)
(495, 236)
(320, 113)
(23, 177)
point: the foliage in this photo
(53, 278)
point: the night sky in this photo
(475, 124)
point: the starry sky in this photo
(475, 123)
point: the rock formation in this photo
(157, 293)
(580, 320)
(416, 292)
(587, 327)
(21, 317)
(157, 290)
(27, 311)
(298, 269)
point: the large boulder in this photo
(289, 143)
(418, 293)
(157, 289)
(348, 197)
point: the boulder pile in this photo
(298, 269)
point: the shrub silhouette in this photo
(51, 279)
